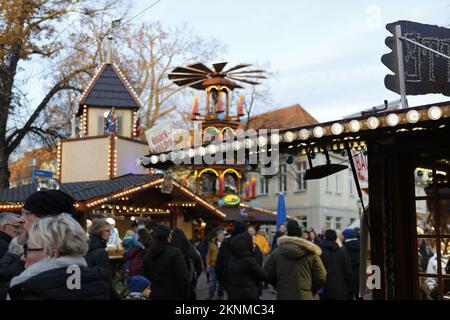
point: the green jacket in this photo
(295, 269)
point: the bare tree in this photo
(29, 29)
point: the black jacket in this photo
(223, 257)
(52, 285)
(352, 248)
(168, 274)
(10, 266)
(274, 241)
(339, 271)
(244, 272)
(98, 257)
(5, 239)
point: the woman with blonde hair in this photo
(55, 268)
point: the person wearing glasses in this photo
(38, 205)
(9, 227)
(55, 267)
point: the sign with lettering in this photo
(425, 71)
(361, 167)
(231, 200)
(160, 138)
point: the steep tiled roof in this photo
(81, 191)
(108, 89)
(282, 118)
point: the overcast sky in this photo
(325, 54)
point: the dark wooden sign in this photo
(425, 71)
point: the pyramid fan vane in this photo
(195, 74)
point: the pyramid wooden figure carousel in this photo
(218, 121)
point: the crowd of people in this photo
(39, 248)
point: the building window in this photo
(328, 184)
(303, 220)
(300, 183)
(338, 184)
(328, 223)
(282, 179)
(338, 223)
(263, 185)
(351, 189)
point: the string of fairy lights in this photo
(305, 137)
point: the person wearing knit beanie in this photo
(139, 287)
(349, 234)
(293, 229)
(330, 235)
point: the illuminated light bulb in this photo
(318, 132)
(413, 116)
(237, 145)
(163, 158)
(373, 123)
(275, 138)
(435, 113)
(354, 125)
(212, 149)
(262, 141)
(181, 154)
(289, 136)
(337, 128)
(191, 153)
(145, 161)
(201, 151)
(303, 134)
(392, 119)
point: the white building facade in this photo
(331, 202)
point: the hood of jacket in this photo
(330, 245)
(294, 248)
(46, 265)
(241, 245)
(96, 243)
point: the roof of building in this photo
(81, 191)
(282, 118)
(109, 88)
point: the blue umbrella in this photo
(281, 210)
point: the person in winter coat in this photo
(259, 240)
(351, 245)
(191, 257)
(244, 272)
(165, 267)
(11, 265)
(55, 246)
(9, 227)
(135, 255)
(211, 260)
(99, 234)
(338, 267)
(38, 205)
(281, 232)
(224, 255)
(295, 268)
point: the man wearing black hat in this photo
(38, 205)
(46, 203)
(295, 268)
